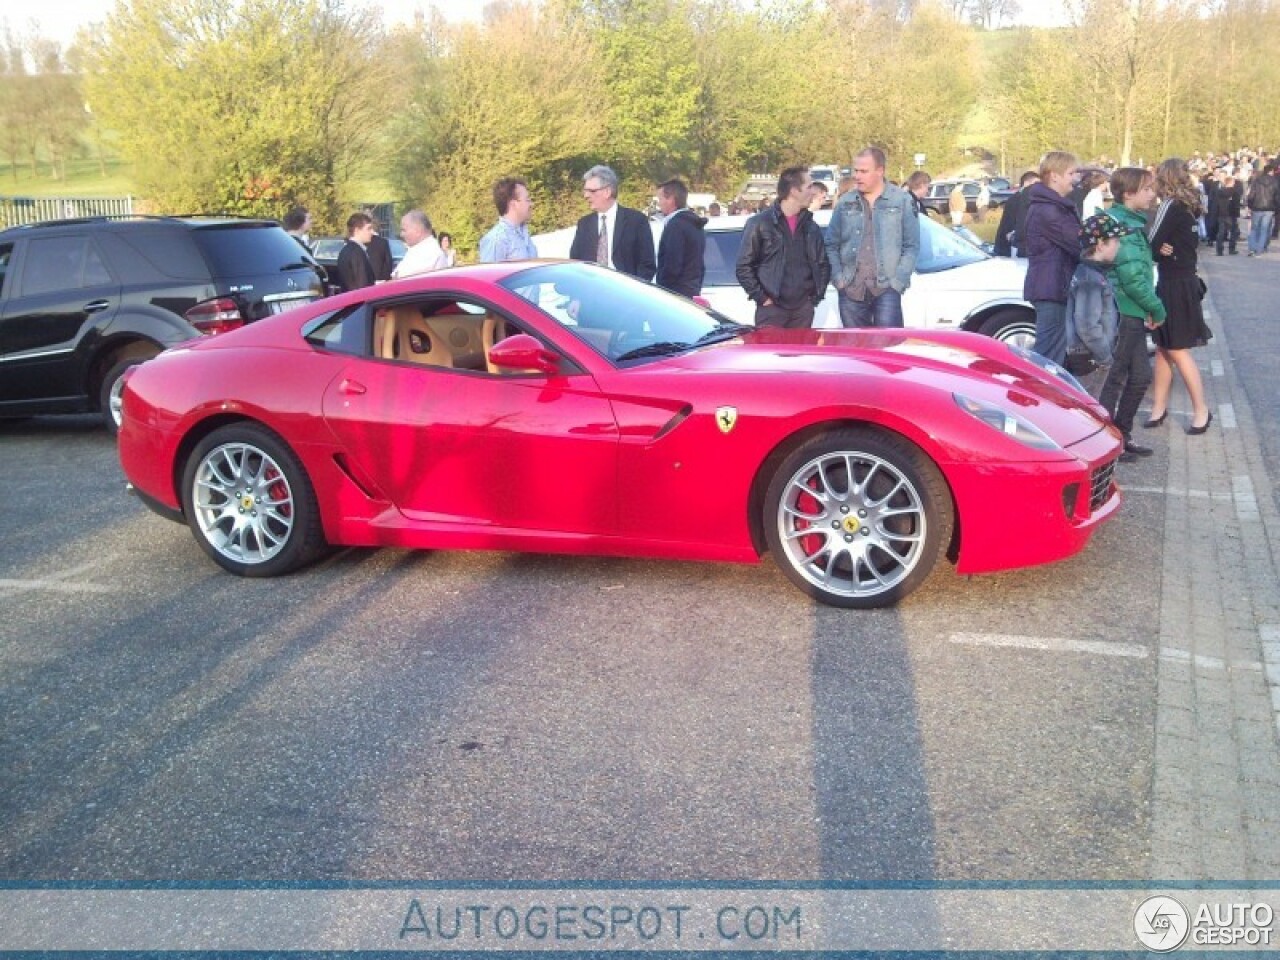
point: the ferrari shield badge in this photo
(726, 417)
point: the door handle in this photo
(351, 387)
(93, 306)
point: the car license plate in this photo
(281, 304)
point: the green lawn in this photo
(84, 179)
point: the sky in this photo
(60, 19)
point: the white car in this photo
(955, 287)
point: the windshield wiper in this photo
(726, 331)
(663, 348)
(299, 265)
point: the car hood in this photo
(969, 364)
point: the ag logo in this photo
(726, 417)
(1161, 924)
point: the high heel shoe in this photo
(1155, 421)
(1196, 431)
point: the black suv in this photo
(83, 300)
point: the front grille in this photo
(1100, 485)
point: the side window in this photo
(53, 263)
(62, 263)
(96, 273)
(446, 332)
(345, 331)
(721, 258)
(6, 254)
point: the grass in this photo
(84, 179)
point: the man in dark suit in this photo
(611, 235)
(682, 249)
(380, 257)
(354, 269)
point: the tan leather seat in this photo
(407, 337)
(494, 330)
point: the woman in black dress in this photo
(1174, 241)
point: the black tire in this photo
(874, 540)
(1011, 326)
(109, 392)
(275, 527)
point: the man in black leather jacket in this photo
(782, 263)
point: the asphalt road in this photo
(447, 716)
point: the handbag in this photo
(1204, 287)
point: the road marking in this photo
(1178, 655)
(1246, 500)
(1217, 368)
(1051, 644)
(1177, 492)
(58, 582)
(54, 586)
(1270, 634)
(1227, 414)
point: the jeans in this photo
(1228, 233)
(794, 318)
(882, 311)
(1130, 374)
(1051, 330)
(1260, 230)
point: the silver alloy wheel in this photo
(115, 401)
(1020, 336)
(852, 524)
(243, 503)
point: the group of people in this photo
(869, 252)
(611, 235)
(1093, 288)
(366, 257)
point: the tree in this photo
(1038, 93)
(519, 95)
(248, 107)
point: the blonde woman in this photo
(1174, 241)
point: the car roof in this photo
(135, 222)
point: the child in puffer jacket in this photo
(1092, 317)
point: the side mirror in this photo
(523, 353)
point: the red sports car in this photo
(560, 407)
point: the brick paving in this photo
(1217, 760)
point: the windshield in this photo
(941, 249)
(614, 314)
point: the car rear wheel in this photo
(111, 392)
(250, 504)
(1016, 327)
(857, 518)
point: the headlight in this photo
(1010, 424)
(1048, 366)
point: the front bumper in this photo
(1025, 514)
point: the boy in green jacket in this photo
(1133, 280)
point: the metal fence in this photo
(19, 210)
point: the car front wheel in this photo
(857, 518)
(1015, 327)
(250, 504)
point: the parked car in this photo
(566, 408)
(939, 196)
(956, 285)
(829, 176)
(81, 301)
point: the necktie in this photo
(602, 244)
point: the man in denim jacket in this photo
(872, 243)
